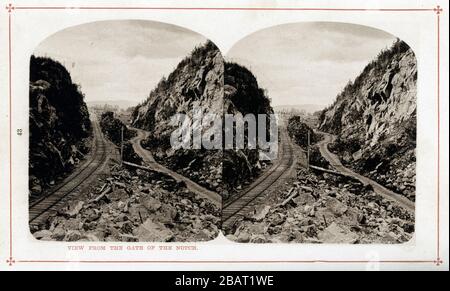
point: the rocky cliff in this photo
(59, 123)
(111, 127)
(242, 94)
(197, 82)
(375, 120)
(298, 130)
(203, 79)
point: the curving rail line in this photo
(238, 206)
(38, 208)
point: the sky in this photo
(119, 60)
(301, 63)
(308, 63)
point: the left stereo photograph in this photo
(102, 167)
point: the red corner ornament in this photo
(9, 7)
(438, 10)
(10, 261)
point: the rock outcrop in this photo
(375, 119)
(203, 80)
(196, 83)
(59, 124)
(298, 130)
(112, 129)
(242, 95)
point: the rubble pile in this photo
(134, 206)
(202, 167)
(323, 208)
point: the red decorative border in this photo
(437, 10)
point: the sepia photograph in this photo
(345, 96)
(109, 161)
(101, 167)
(204, 136)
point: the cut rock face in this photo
(342, 211)
(60, 127)
(196, 82)
(375, 118)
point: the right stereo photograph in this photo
(344, 169)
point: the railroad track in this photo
(238, 206)
(40, 207)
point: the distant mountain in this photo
(122, 104)
(308, 108)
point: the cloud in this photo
(306, 63)
(117, 60)
(300, 63)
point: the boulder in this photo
(166, 214)
(258, 239)
(150, 203)
(74, 209)
(43, 234)
(73, 235)
(153, 232)
(276, 219)
(335, 206)
(58, 234)
(243, 237)
(304, 198)
(118, 195)
(262, 213)
(337, 235)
